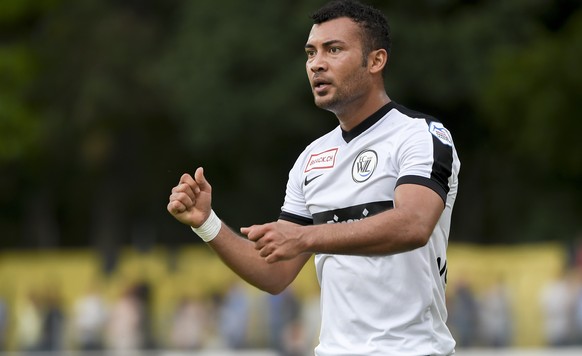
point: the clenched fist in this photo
(190, 201)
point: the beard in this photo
(344, 92)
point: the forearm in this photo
(406, 227)
(387, 233)
(240, 255)
(190, 203)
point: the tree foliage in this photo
(531, 100)
(104, 104)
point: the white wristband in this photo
(209, 230)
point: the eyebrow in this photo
(326, 43)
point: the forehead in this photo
(341, 29)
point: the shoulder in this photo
(419, 122)
(406, 113)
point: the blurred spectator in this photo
(496, 317)
(143, 293)
(311, 319)
(295, 340)
(90, 317)
(463, 315)
(53, 321)
(189, 324)
(234, 316)
(557, 303)
(284, 325)
(29, 323)
(123, 330)
(578, 306)
(3, 322)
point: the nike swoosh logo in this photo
(307, 181)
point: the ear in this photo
(377, 60)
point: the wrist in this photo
(306, 238)
(210, 228)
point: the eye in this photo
(334, 50)
(310, 53)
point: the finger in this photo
(176, 207)
(260, 244)
(184, 198)
(201, 180)
(187, 180)
(247, 231)
(184, 188)
(263, 252)
(271, 258)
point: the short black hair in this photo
(376, 31)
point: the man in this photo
(372, 199)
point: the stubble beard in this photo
(341, 99)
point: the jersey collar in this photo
(367, 123)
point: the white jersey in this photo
(382, 305)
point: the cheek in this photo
(355, 76)
(350, 68)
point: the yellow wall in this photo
(524, 269)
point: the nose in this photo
(317, 64)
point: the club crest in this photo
(364, 166)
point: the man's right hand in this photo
(190, 201)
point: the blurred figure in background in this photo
(53, 321)
(189, 325)
(142, 293)
(578, 309)
(284, 326)
(496, 317)
(3, 322)
(29, 323)
(557, 303)
(90, 318)
(123, 331)
(463, 315)
(234, 316)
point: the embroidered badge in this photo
(364, 165)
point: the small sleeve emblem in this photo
(439, 131)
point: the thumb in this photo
(201, 180)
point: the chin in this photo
(326, 104)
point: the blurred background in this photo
(104, 104)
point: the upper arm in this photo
(426, 164)
(426, 157)
(422, 206)
(294, 207)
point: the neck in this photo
(353, 114)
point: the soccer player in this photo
(372, 199)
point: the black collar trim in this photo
(367, 123)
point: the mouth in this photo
(320, 85)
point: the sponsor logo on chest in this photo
(322, 160)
